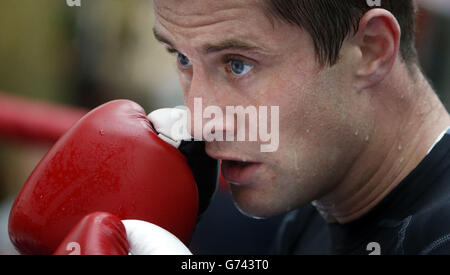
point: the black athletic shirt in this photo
(414, 218)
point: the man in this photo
(358, 119)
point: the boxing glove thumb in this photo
(99, 233)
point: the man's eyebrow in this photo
(161, 38)
(232, 44)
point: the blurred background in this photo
(63, 61)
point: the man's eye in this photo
(240, 68)
(183, 60)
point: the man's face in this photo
(232, 53)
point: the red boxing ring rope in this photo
(33, 121)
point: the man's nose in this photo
(200, 95)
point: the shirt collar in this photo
(447, 131)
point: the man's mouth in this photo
(239, 172)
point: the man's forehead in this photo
(203, 7)
(230, 26)
(199, 13)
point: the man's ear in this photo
(378, 39)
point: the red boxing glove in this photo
(99, 233)
(111, 161)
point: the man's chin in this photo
(252, 205)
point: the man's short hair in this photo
(330, 22)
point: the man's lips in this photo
(239, 172)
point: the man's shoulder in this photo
(428, 231)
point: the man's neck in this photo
(398, 143)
